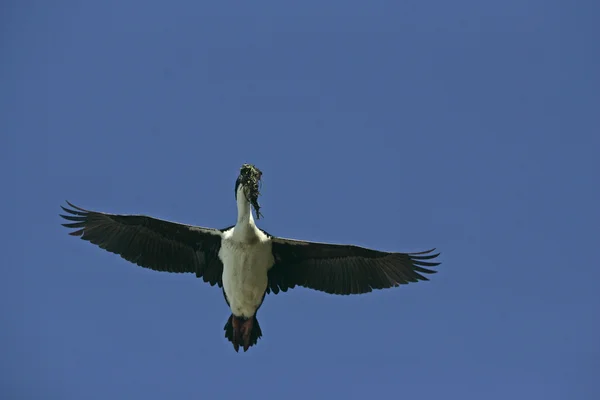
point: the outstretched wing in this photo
(343, 269)
(151, 243)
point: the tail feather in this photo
(235, 337)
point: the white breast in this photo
(246, 259)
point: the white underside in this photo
(246, 255)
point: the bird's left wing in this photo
(150, 242)
(343, 269)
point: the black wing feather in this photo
(343, 269)
(150, 242)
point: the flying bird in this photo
(245, 261)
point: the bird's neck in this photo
(245, 217)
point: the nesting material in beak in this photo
(251, 180)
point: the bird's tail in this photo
(242, 331)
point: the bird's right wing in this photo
(150, 242)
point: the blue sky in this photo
(468, 126)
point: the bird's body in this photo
(245, 261)
(246, 254)
(245, 268)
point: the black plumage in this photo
(343, 269)
(173, 247)
(150, 242)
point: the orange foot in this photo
(246, 330)
(236, 333)
(241, 332)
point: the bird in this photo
(245, 261)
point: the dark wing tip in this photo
(424, 255)
(78, 218)
(420, 253)
(419, 263)
(75, 207)
(74, 210)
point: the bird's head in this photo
(249, 180)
